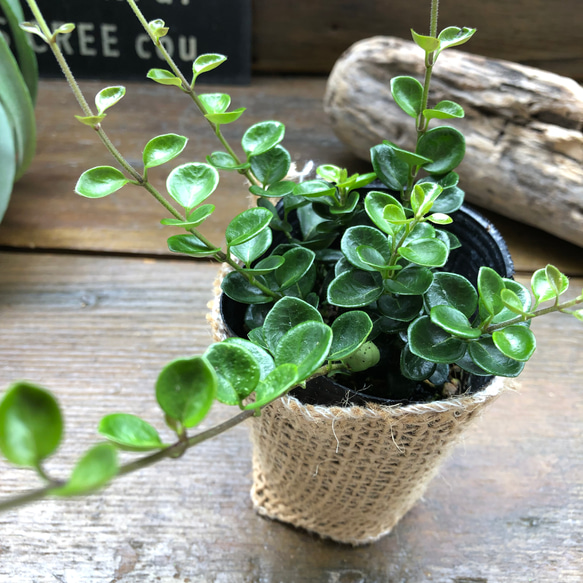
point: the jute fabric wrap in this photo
(350, 473)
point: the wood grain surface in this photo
(309, 36)
(506, 508)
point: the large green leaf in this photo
(350, 330)
(130, 432)
(7, 161)
(17, 103)
(355, 289)
(190, 184)
(390, 169)
(432, 343)
(408, 94)
(444, 145)
(261, 137)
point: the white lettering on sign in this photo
(108, 40)
(86, 38)
(142, 41)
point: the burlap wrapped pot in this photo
(350, 473)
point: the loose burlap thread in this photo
(350, 473)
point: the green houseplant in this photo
(18, 85)
(331, 282)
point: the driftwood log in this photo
(524, 155)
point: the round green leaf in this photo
(275, 384)
(305, 345)
(224, 161)
(516, 342)
(237, 372)
(108, 97)
(403, 308)
(453, 36)
(411, 281)
(490, 285)
(226, 117)
(414, 367)
(355, 289)
(190, 184)
(238, 288)
(263, 359)
(247, 225)
(432, 343)
(349, 331)
(548, 283)
(271, 166)
(186, 388)
(375, 203)
(408, 94)
(444, 110)
(451, 289)
(162, 149)
(314, 189)
(297, 262)
(206, 62)
(93, 471)
(31, 425)
(100, 181)
(426, 252)
(362, 235)
(454, 322)
(285, 314)
(129, 432)
(190, 245)
(215, 102)
(444, 145)
(261, 137)
(164, 77)
(389, 168)
(250, 250)
(487, 356)
(279, 189)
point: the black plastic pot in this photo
(481, 245)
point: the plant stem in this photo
(434, 13)
(539, 312)
(187, 88)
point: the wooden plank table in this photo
(92, 305)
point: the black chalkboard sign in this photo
(109, 43)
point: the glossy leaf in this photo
(7, 161)
(31, 424)
(238, 288)
(186, 388)
(237, 371)
(305, 345)
(275, 384)
(444, 110)
(262, 358)
(452, 289)
(266, 265)
(454, 322)
(224, 161)
(516, 342)
(297, 262)
(246, 225)
(285, 314)
(389, 168)
(374, 204)
(164, 77)
(314, 188)
(93, 471)
(215, 102)
(444, 145)
(162, 149)
(355, 289)
(271, 166)
(158, 28)
(279, 189)
(205, 63)
(108, 97)
(453, 36)
(250, 250)
(261, 137)
(361, 235)
(412, 281)
(130, 432)
(100, 181)
(329, 172)
(490, 284)
(411, 158)
(432, 343)
(487, 356)
(408, 94)
(425, 252)
(349, 331)
(226, 117)
(192, 183)
(190, 245)
(548, 283)
(427, 43)
(404, 308)
(414, 367)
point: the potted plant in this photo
(344, 288)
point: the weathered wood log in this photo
(524, 155)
